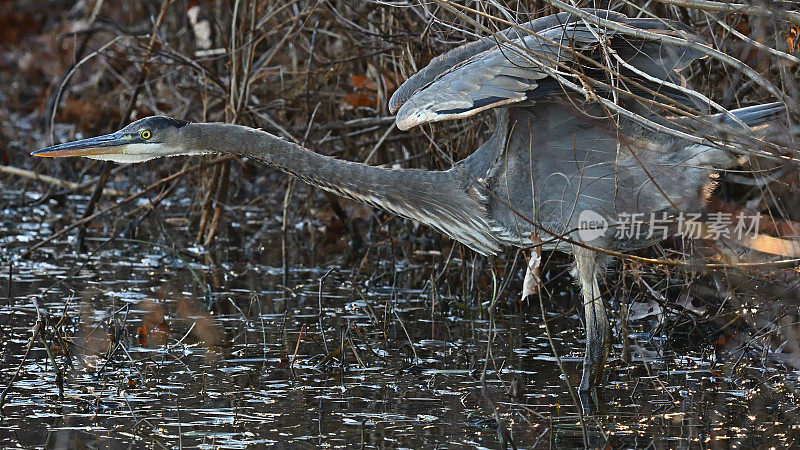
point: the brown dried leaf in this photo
(362, 82)
(358, 99)
(141, 336)
(792, 38)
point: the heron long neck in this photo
(440, 199)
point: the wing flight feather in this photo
(492, 72)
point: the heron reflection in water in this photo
(554, 152)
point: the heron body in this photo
(553, 154)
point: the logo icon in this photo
(591, 225)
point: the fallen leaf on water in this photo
(141, 336)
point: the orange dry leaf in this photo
(364, 95)
(362, 82)
(359, 99)
(791, 38)
(141, 336)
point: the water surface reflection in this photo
(162, 347)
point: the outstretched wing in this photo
(515, 65)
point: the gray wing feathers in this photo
(499, 76)
(491, 72)
(447, 61)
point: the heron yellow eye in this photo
(145, 134)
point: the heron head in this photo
(145, 139)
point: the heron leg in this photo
(598, 331)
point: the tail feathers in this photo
(755, 115)
(760, 121)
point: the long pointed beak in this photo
(108, 144)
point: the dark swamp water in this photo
(188, 347)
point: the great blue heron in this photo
(554, 153)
